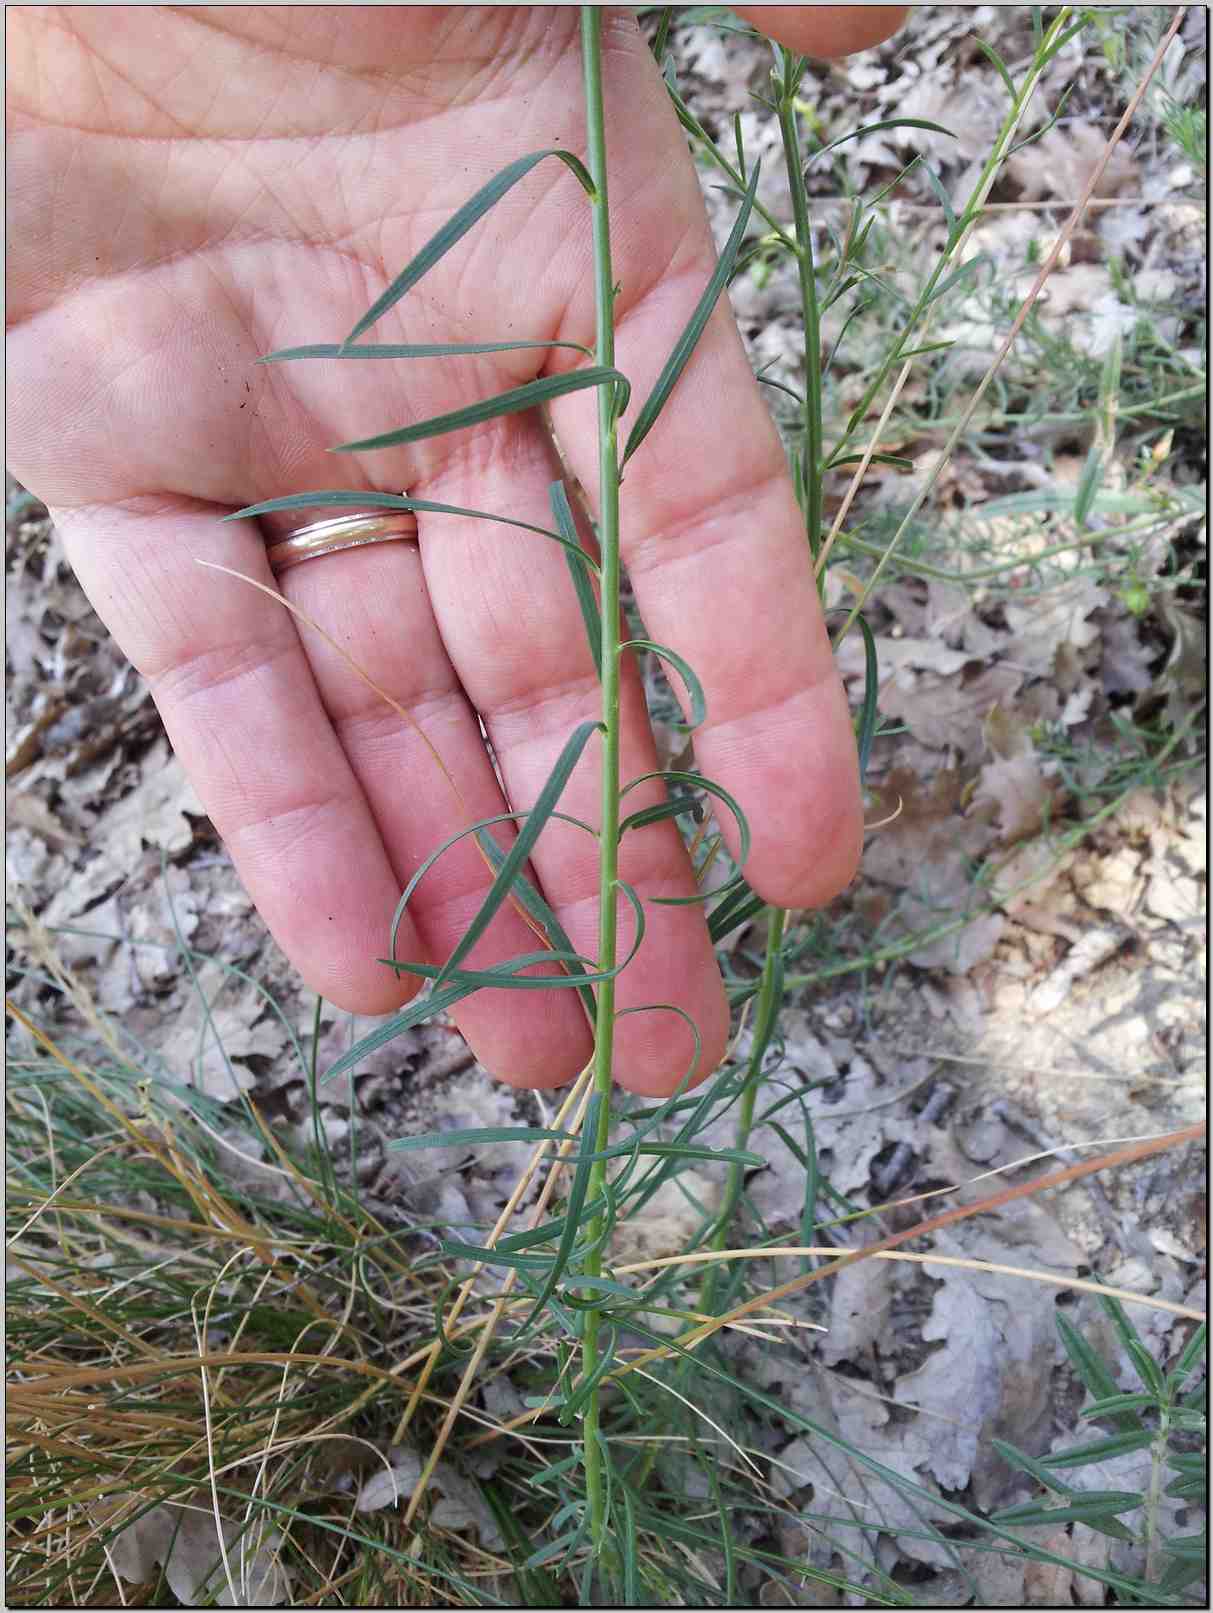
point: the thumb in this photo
(825, 31)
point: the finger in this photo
(714, 542)
(426, 775)
(242, 710)
(512, 627)
(825, 31)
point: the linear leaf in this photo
(685, 344)
(350, 498)
(686, 672)
(696, 781)
(408, 349)
(539, 909)
(886, 123)
(474, 1136)
(868, 715)
(1099, 1450)
(968, 268)
(576, 1201)
(898, 461)
(562, 513)
(460, 223)
(516, 401)
(1000, 67)
(476, 829)
(1088, 485)
(945, 201)
(521, 849)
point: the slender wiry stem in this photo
(811, 450)
(608, 540)
(770, 997)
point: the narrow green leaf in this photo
(868, 714)
(885, 123)
(684, 670)
(460, 223)
(478, 829)
(1112, 1404)
(476, 1135)
(416, 1013)
(1016, 1458)
(1039, 134)
(898, 461)
(679, 808)
(1000, 67)
(1075, 1511)
(1087, 1362)
(409, 350)
(587, 600)
(1144, 1364)
(968, 269)
(737, 908)
(349, 498)
(536, 820)
(945, 201)
(1193, 1350)
(541, 910)
(1088, 485)
(1099, 1450)
(1193, 1548)
(576, 1200)
(685, 344)
(516, 401)
(546, 1474)
(696, 781)
(1183, 1488)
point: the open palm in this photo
(191, 189)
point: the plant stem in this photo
(608, 539)
(770, 998)
(806, 269)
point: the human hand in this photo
(195, 187)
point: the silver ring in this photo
(340, 532)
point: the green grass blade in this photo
(460, 223)
(516, 401)
(283, 355)
(685, 344)
(685, 671)
(350, 498)
(587, 600)
(536, 819)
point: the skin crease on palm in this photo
(193, 187)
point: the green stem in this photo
(770, 997)
(807, 271)
(608, 539)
